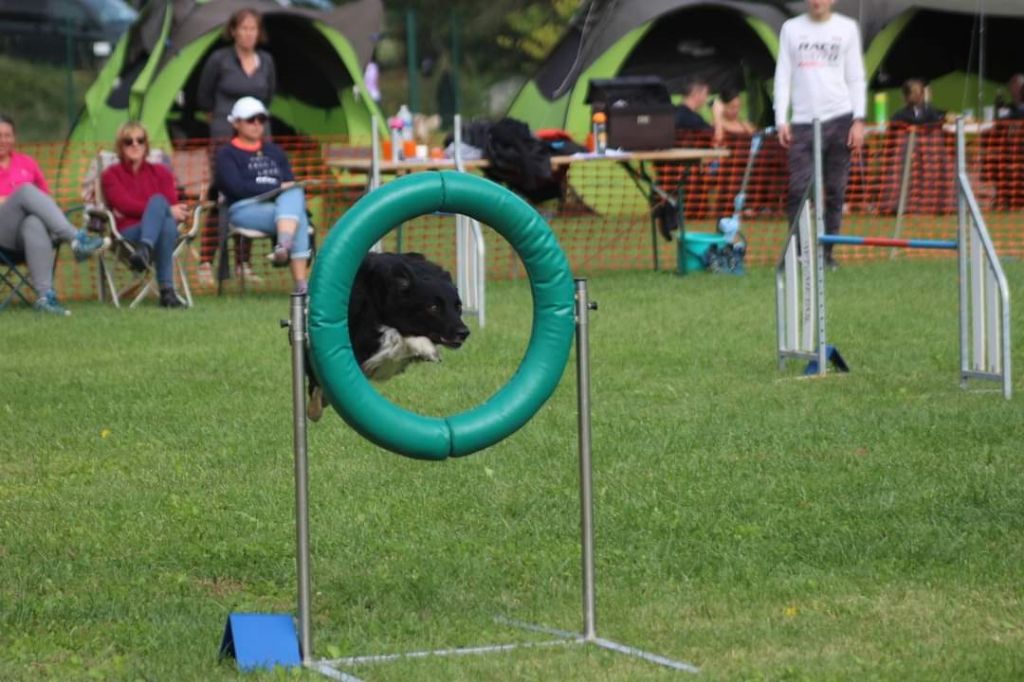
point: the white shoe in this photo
(204, 273)
(246, 270)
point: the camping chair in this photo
(12, 279)
(101, 219)
(14, 283)
(229, 233)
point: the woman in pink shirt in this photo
(31, 222)
(144, 199)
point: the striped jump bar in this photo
(885, 241)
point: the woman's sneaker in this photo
(279, 257)
(48, 303)
(84, 245)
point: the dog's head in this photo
(416, 297)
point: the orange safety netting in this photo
(902, 185)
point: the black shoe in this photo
(169, 299)
(143, 256)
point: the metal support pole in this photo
(819, 229)
(583, 307)
(297, 338)
(908, 165)
(963, 250)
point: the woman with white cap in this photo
(257, 182)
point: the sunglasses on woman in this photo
(258, 118)
(129, 141)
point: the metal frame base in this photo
(296, 326)
(331, 668)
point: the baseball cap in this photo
(246, 107)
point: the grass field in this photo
(869, 526)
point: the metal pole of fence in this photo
(586, 471)
(69, 70)
(908, 164)
(297, 337)
(819, 230)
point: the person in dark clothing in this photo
(230, 73)
(256, 179)
(235, 71)
(1015, 109)
(695, 93)
(917, 111)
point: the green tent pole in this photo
(69, 72)
(456, 39)
(412, 59)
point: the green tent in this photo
(730, 43)
(953, 44)
(153, 72)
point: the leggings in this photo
(31, 222)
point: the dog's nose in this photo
(461, 334)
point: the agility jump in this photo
(560, 305)
(984, 318)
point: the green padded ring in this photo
(334, 362)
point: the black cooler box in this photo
(639, 110)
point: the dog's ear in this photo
(402, 277)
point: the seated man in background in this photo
(695, 95)
(917, 111)
(1014, 110)
(725, 111)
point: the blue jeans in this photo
(263, 216)
(159, 230)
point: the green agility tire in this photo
(345, 386)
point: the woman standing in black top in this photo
(236, 71)
(230, 73)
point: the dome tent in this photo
(728, 42)
(153, 72)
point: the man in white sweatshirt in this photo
(820, 71)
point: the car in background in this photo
(39, 30)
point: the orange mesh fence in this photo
(902, 185)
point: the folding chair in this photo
(12, 280)
(117, 279)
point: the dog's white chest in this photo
(396, 352)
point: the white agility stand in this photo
(332, 668)
(470, 251)
(984, 293)
(799, 278)
(374, 180)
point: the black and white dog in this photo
(402, 308)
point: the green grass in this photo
(868, 526)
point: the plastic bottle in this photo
(406, 116)
(600, 132)
(395, 124)
(881, 105)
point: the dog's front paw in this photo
(423, 349)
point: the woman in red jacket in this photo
(144, 199)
